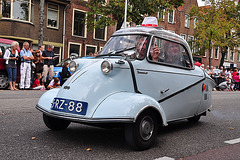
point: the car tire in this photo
(142, 134)
(194, 119)
(55, 123)
(3, 80)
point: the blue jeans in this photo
(12, 74)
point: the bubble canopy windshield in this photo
(119, 44)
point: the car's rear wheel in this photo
(194, 119)
(142, 134)
(55, 123)
(3, 80)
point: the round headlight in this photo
(106, 67)
(73, 66)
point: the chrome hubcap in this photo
(146, 128)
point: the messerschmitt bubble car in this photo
(143, 78)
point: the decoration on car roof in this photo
(150, 22)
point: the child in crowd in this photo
(55, 83)
(36, 84)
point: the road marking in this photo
(164, 158)
(233, 141)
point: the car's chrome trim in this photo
(85, 120)
(182, 90)
(148, 70)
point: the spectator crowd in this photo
(34, 67)
(225, 78)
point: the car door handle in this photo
(164, 91)
(141, 72)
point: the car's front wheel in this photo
(55, 123)
(3, 80)
(142, 134)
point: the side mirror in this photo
(129, 55)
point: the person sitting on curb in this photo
(36, 85)
(55, 83)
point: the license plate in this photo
(69, 106)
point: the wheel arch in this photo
(154, 111)
(129, 105)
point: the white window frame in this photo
(226, 56)
(57, 17)
(100, 48)
(89, 45)
(217, 53)
(238, 56)
(205, 53)
(183, 35)
(11, 11)
(85, 29)
(173, 16)
(187, 21)
(211, 53)
(192, 41)
(105, 35)
(231, 51)
(80, 48)
(195, 21)
(163, 12)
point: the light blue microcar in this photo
(143, 78)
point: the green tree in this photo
(215, 26)
(113, 12)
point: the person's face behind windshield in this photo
(141, 46)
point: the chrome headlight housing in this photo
(73, 66)
(106, 67)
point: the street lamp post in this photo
(125, 15)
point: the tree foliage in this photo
(218, 26)
(113, 12)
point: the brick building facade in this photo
(20, 22)
(77, 38)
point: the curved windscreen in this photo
(118, 44)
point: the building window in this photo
(183, 36)
(211, 53)
(90, 50)
(190, 42)
(216, 53)
(238, 58)
(52, 16)
(17, 9)
(6, 8)
(57, 52)
(226, 57)
(231, 55)
(79, 23)
(195, 22)
(187, 20)
(171, 16)
(74, 48)
(205, 54)
(100, 33)
(161, 14)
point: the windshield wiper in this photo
(115, 53)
